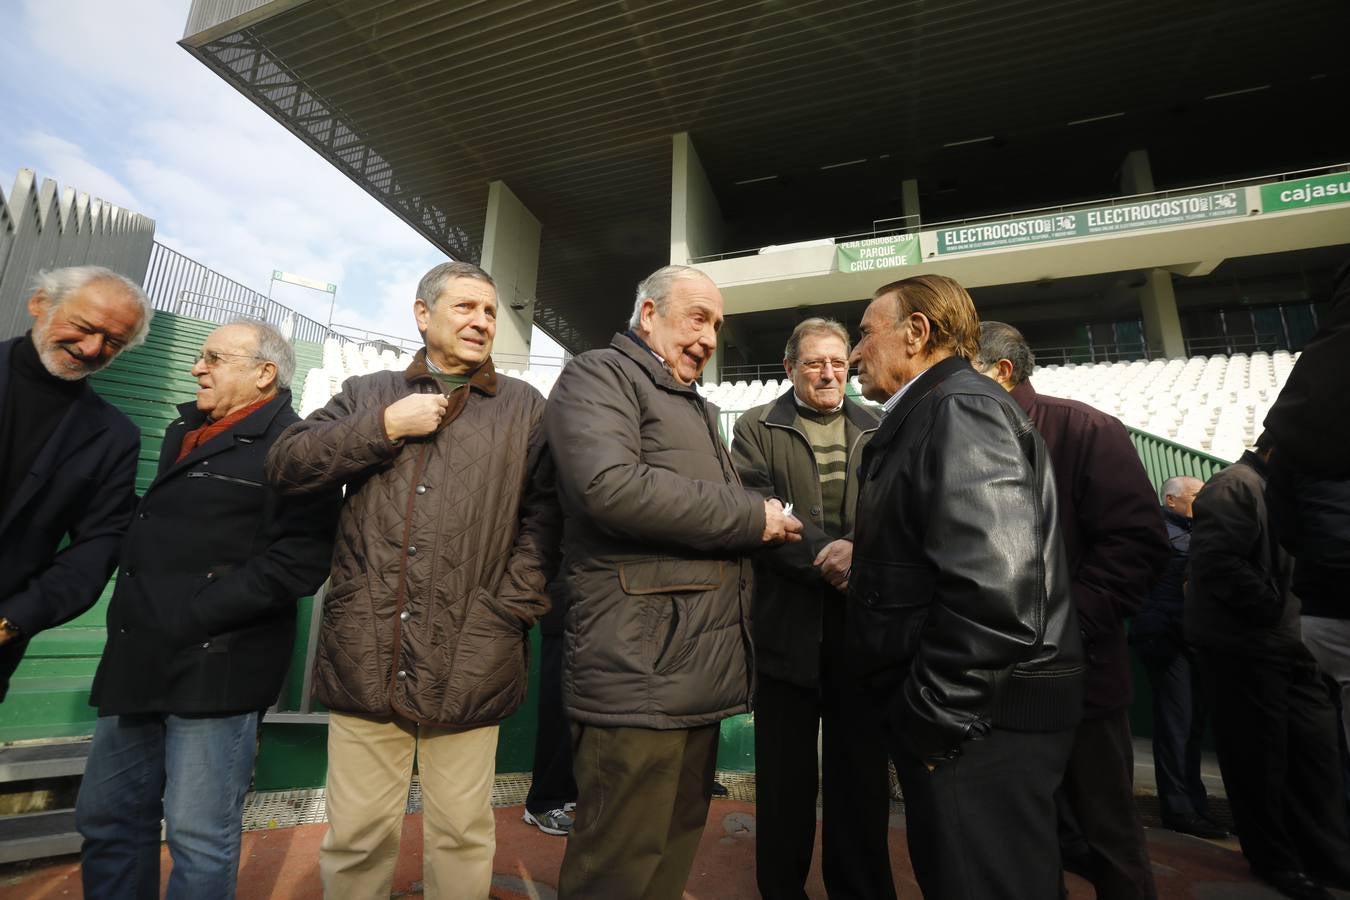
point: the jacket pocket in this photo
(888, 607)
(671, 590)
(668, 575)
(490, 663)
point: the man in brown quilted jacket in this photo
(445, 544)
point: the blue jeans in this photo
(191, 772)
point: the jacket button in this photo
(412, 551)
(404, 616)
(141, 516)
(210, 576)
(815, 510)
(402, 675)
(206, 644)
(421, 489)
(129, 573)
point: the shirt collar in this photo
(895, 398)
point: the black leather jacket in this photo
(959, 606)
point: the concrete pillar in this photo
(1136, 173)
(1162, 324)
(695, 216)
(511, 257)
(909, 205)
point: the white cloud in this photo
(54, 154)
(147, 126)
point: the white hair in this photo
(56, 285)
(1176, 485)
(656, 287)
(274, 348)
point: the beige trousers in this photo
(370, 765)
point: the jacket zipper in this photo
(220, 477)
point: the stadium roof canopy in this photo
(806, 114)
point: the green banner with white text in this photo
(1306, 192)
(1152, 213)
(878, 253)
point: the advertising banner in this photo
(1306, 192)
(872, 254)
(1151, 213)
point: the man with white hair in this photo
(200, 629)
(657, 647)
(1180, 711)
(67, 456)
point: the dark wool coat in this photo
(1310, 420)
(1113, 532)
(657, 525)
(1157, 628)
(1238, 598)
(774, 457)
(202, 620)
(83, 484)
(444, 549)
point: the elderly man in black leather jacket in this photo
(959, 611)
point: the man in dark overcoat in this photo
(200, 630)
(1117, 548)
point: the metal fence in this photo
(45, 227)
(180, 285)
(1164, 459)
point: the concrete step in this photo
(38, 835)
(53, 759)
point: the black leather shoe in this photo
(1293, 883)
(1198, 825)
(720, 790)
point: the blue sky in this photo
(98, 96)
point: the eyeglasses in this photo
(212, 358)
(816, 366)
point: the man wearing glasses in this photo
(805, 447)
(200, 629)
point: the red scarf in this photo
(200, 435)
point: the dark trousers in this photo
(1180, 713)
(1275, 733)
(856, 816)
(1101, 837)
(645, 796)
(553, 784)
(982, 826)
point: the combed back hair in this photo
(812, 327)
(657, 287)
(999, 340)
(58, 284)
(274, 348)
(954, 324)
(432, 285)
(1174, 486)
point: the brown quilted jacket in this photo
(444, 547)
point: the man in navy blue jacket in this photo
(1179, 708)
(67, 456)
